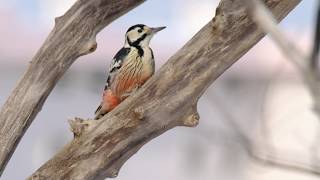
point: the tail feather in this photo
(98, 113)
(109, 102)
(98, 109)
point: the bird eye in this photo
(140, 30)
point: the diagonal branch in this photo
(74, 35)
(260, 152)
(167, 100)
(285, 162)
(316, 44)
(267, 22)
(264, 19)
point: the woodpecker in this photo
(130, 68)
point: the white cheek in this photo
(133, 36)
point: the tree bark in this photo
(167, 100)
(74, 35)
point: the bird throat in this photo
(136, 44)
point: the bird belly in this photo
(131, 76)
(127, 79)
(110, 101)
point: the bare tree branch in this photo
(264, 18)
(74, 35)
(316, 44)
(283, 161)
(167, 100)
(266, 21)
(261, 152)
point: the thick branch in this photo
(167, 100)
(73, 35)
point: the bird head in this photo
(140, 35)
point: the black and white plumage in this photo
(117, 63)
(130, 68)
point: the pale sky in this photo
(25, 25)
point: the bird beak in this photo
(157, 29)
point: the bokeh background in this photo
(260, 93)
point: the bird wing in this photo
(117, 62)
(115, 65)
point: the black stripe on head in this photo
(135, 26)
(136, 44)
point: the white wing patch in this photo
(115, 64)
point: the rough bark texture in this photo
(74, 35)
(167, 100)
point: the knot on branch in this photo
(139, 113)
(57, 20)
(192, 120)
(219, 21)
(89, 47)
(37, 177)
(78, 126)
(113, 173)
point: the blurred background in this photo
(260, 97)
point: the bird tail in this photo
(98, 113)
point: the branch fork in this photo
(170, 96)
(119, 135)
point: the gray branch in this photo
(314, 61)
(74, 35)
(167, 100)
(264, 18)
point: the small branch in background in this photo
(264, 18)
(314, 66)
(285, 162)
(269, 157)
(316, 43)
